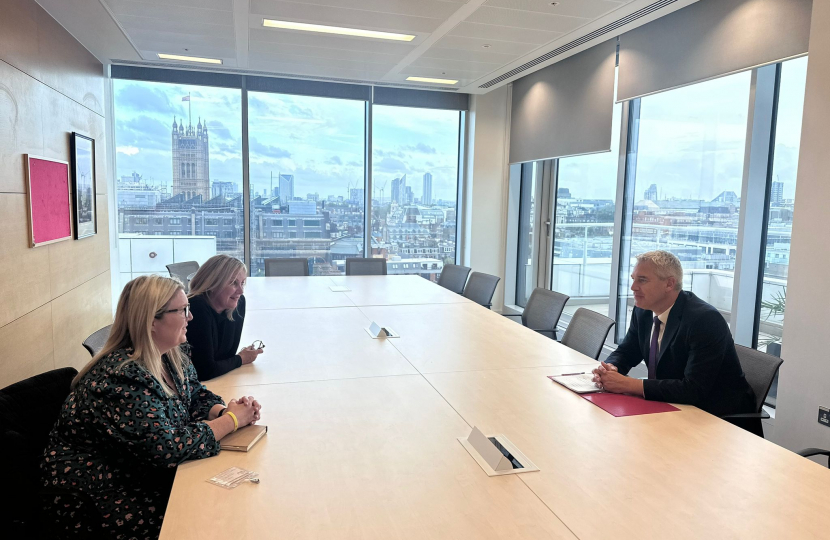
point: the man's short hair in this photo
(667, 266)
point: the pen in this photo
(567, 374)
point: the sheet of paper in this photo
(230, 478)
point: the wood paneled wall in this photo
(51, 297)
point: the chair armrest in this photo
(762, 415)
(510, 314)
(547, 333)
(807, 452)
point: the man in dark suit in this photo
(684, 341)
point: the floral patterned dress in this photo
(118, 440)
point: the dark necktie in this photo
(653, 350)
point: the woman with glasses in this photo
(135, 412)
(218, 307)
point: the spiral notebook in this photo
(243, 439)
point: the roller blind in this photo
(708, 39)
(565, 109)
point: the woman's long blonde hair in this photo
(141, 300)
(217, 272)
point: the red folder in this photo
(622, 405)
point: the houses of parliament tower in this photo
(191, 160)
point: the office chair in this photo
(286, 267)
(183, 271)
(28, 412)
(587, 331)
(96, 341)
(542, 311)
(759, 369)
(358, 266)
(481, 288)
(454, 277)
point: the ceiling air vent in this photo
(608, 28)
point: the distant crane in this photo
(381, 191)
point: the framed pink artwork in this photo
(50, 216)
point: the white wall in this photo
(486, 189)
(805, 380)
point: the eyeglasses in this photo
(258, 345)
(183, 310)
(237, 283)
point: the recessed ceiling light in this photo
(427, 79)
(554, 3)
(288, 25)
(189, 58)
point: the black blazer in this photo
(697, 363)
(213, 338)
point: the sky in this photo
(318, 140)
(692, 141)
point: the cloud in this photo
(335, 160)
(355, 164)
(383, 153)
(390, 164)
(269, 150)
(421, 148)
(127, 150)
(302, 112)
(142, 98)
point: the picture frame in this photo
(50, 207)
(84, 208)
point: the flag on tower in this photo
(186, 98)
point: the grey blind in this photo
(708, 39)
(565, 109)
(426, 99)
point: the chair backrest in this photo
(543, 309)
(481, 288)
(759, 369)
(286, 267)
(587, 331)
(357, 266)
(95, 342)
(183, 271)
(454, 277)
(28, 412)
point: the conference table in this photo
(363, 435)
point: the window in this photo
(527, 257)
(415, 183)
(687, 184)
(174, 157)
(307, 145)
(584, 228)
(228, 221)
(276, 222)
(311, 223)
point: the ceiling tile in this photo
(223, 5)
(148, 38)
(468, 56)
(434, 9)
(210, 31)
(504, 33)
(176, 13)
(323, 52)
(353, 18)
(326, 63)
(495, 47)
(267, 35)
(590, 9)
(447, 64)
(526, 19)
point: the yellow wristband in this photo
(235, 420)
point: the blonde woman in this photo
(136, 411)
(218, 307)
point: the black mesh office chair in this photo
(286, 267)
(28, 412)
(481, 288)
(543, 310)
(183, 271)
(454, 277)
(587, 331)
(95, 342)
(759, 369)
(358, 266)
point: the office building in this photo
(286, 192)
(191, 160)
(426, 198)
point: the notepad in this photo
(581, 383)
(243, 439)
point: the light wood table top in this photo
(372, 458)
(313, 344)
(292, 293)
(464, 337)
(679, 475)
(395, 290)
